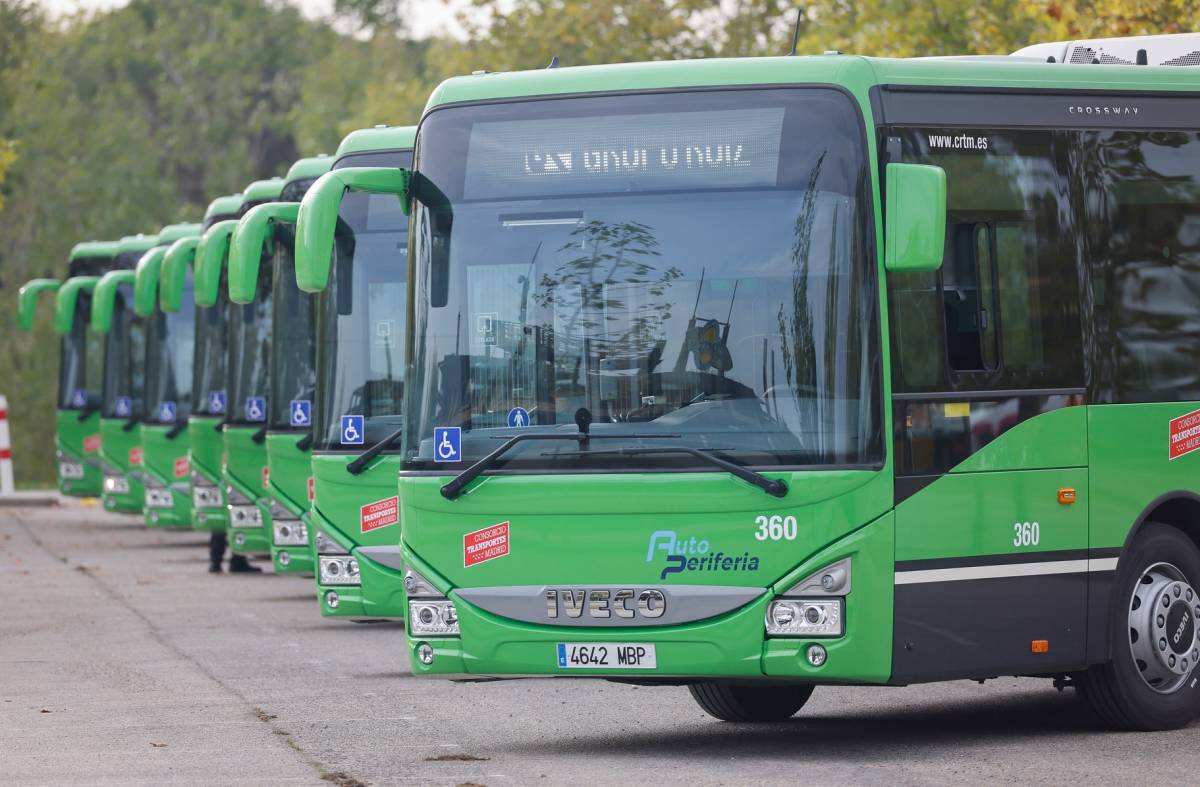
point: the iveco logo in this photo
(1100, 109)
(605, 603)
(1179, 629)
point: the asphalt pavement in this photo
(122, 661)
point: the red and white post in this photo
(6, 469)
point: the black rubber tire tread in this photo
(741, 703)
(1113, 689)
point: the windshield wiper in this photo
(132, 422)
(305, 443)
(359, 462)
(219, 425)
(175, 430)
(86, 413)
(583, 421)
(259, 436)
(768, 485)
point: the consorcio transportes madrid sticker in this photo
(487, 544)
(1184, 434)
(181, 467)
(379, 514)
(135, 456)
(91, 444)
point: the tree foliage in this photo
(119, 122)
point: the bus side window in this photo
(969, 298)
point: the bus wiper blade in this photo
(176, 430)
(219, 425)
(305, 443)
(359, 462)
(455, 487)
(132, 422)
(86, 413)
(768, 485)
(259, 436)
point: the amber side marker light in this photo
(1039, 646)
(1066, 495)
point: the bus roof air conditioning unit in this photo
(1182, 49)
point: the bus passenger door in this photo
(989, 438)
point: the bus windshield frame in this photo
(210, 359)
(81, 360)
(293, 373)
(125, 360)
(579, 256)
(170, 352)
(360, 316)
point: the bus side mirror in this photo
(145, 283)
(253, 236)
(210, 259)
(180, 256)
(316, 221)
(27, 300)
(104, 298)
(915, 218)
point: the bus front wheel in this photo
(770, 702)
(1150, 683)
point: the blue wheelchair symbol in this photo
(79, 398)
(216, 402)
(447, 444)
(352, 430)
(256, 408)
(301, 412)
(123, 406)
(166, 412)
(518, 417)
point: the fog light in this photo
(332, 600)
(816, 655)
(433, 618)
(425, 653)
(788, 617)
(240, 539)
(284, 558)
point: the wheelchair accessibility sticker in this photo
(123, 406)
(216, 402)
(79, 398)
(256, 408)
(352, 430)
(447, 444)
(166, 412)
(301, 412)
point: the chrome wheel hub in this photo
(1162, 627)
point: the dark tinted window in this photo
(1143, 236)
(210, 360)
(293, 351)
(125, 359)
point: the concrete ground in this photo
(123, 661)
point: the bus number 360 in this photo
(1026, 534)
(776, 528)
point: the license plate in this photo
(70, 470)
(608, 655)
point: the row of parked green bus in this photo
(747, 375)
(188, 380)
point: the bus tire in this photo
(768, 702)
(1150, 683)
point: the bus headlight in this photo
(116, 485)
(156, 495)
(432, 618)
(801, 617)
(205, 496)
(245, 516)
(338, 570)
(289, 532)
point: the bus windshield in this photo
(293, 361)
(81, 361)
(249, 351)
(211, 358)
(169, 361)
(360, 325)
(124, 360)
(684, 269)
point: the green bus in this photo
(752, 375)
(77, 434)
(262, 264)
(122, 403)
(206, 443)
(168, 387)
(360, 309)
(245, 471)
